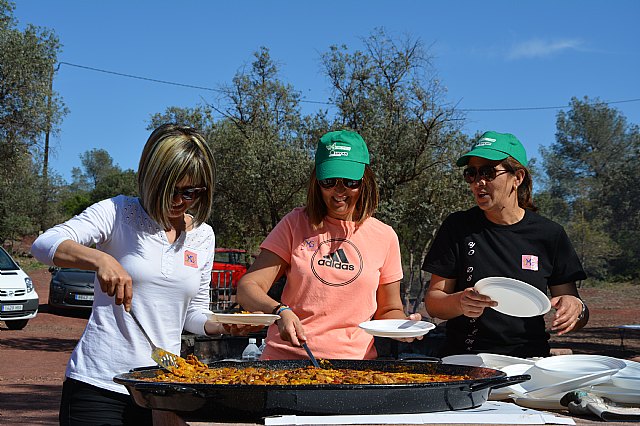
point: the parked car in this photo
(18, 299)
(71, 288)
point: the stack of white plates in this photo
(470, 360)
(507, 391)
(628, 377)
(553, 377)
(496, 361)
(616, 394)
(623, 387)
(576, 366)
(488, 360)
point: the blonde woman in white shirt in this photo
(153, 255)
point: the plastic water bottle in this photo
(262, 346)
(251, 352)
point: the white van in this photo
(18, 299)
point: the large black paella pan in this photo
(206, 402)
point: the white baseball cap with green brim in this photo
(341, 154)
(496, 146)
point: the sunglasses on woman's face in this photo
(348, 183)
(486, 173)
(189, 194)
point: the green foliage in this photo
(589, 186)
(98, 179)
(388, 91)
(6, 14)
(390, 94)
(199, 118)
(76, 203)
(262, 146)
(18, 194)
(97, 165)
(28, 109)
(26, 68)
(115, 183)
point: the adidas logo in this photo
(337, 260)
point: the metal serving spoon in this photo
(161, 356)
(314, 361)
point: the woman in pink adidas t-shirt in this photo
(342, 265)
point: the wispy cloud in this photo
(541, 48)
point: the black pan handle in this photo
(418, 358)
(167, 389)
(500, 382)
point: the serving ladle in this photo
(162, 357)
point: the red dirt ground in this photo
(33, 360)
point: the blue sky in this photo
(488, 54)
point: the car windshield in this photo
(6, 263)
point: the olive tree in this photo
(263, 147)
(390, 94)
(29, 110)
(590, 169)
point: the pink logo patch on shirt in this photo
(190, 259)
(530, 262)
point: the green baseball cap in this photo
(341, 154)
(496, 146)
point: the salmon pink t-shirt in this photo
(332, 279)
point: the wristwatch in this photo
(584, 310)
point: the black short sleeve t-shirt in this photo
(469, 247)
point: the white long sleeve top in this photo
(170, 287)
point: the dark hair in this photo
(366, 204)
(525, 190)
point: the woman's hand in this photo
(568, 309)
(472, 303)
(290, 328)
(115, 281)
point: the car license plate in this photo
(84, 296)
(11, 308)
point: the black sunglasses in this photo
(348, 183)
(487, 173)
(189, 194)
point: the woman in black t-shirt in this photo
(501, 237)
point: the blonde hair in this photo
(172, 153)
(366, 204)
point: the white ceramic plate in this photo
(616, 394)
(514, 297)
(628, 377)
(397, 328)
(245, 319)
(498, 361)
(470, 360)
(510, 370)
(540, 403)
(526, 389)
(572, 366)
